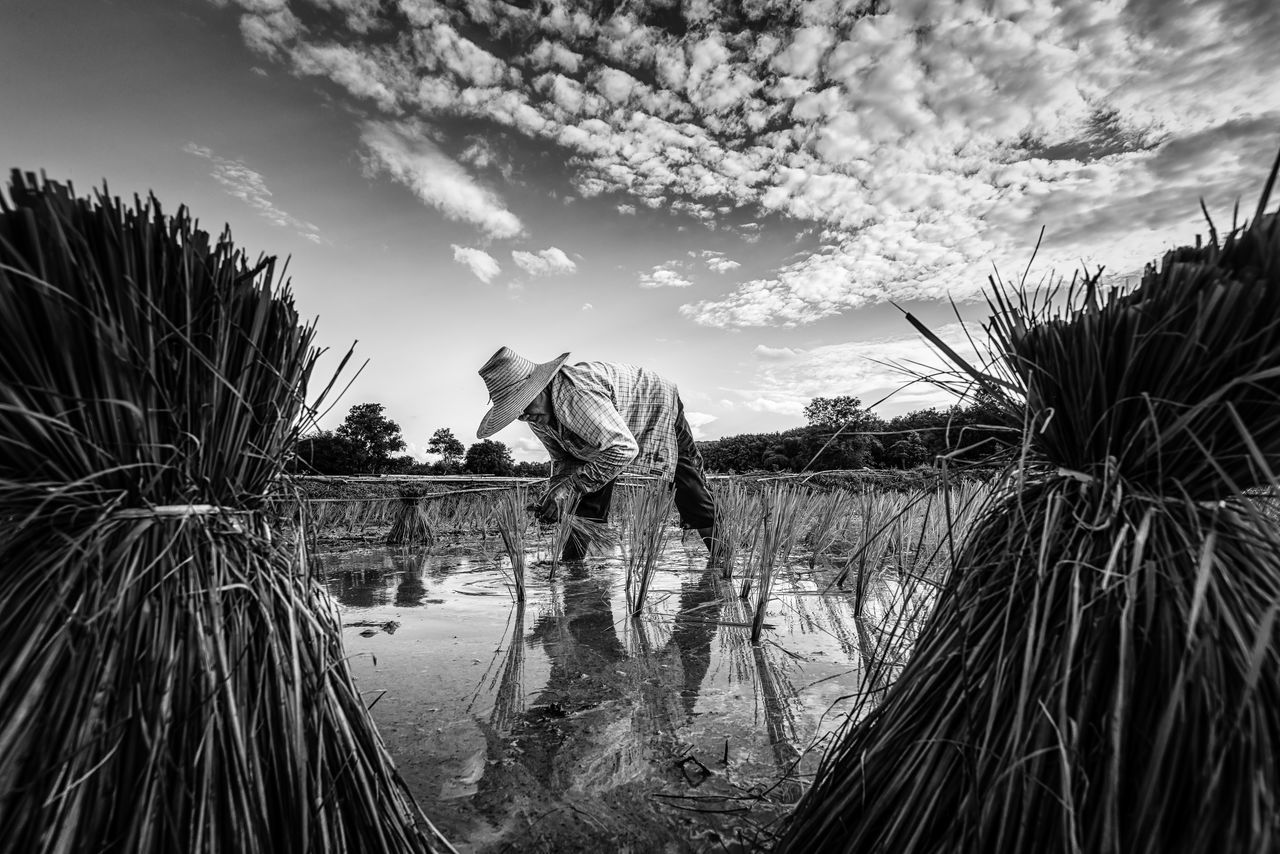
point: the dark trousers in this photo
(693, 498)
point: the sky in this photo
(743, 196)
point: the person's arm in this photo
(589, 413)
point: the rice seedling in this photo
(781, 508)
(586, 535)
(1102, 670)
(512, 520)
(413, 520)
(173, 677)
(734, 511)
(648, 510)
(830, 514)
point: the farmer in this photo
(598, 420)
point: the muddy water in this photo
(567, 725)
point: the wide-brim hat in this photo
(513, 382)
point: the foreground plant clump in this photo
(172, 676)
(1102, 672)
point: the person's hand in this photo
(549, 510)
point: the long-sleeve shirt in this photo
(608, 419)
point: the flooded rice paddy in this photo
(566, 724)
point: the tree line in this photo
(368, 442)
(840, 434)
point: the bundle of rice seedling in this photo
(878, 514)
(1102, 671)
(735, 506)
(831, 512)
(582, 535)
(782, 507)
(412, 523)
(172, 676)
(649, 511)
(512, 520)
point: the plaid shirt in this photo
(607, 419)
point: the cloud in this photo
(868, 370)
(776, 353)
(586, 306)
(403, 153)
(666, 275)
(524, 448)
(698, 420)
(921, 144)
(547, 262)
(717, 262)
(250, 187)
(481, 263)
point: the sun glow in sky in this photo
(728, 192)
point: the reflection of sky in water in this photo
(591, 712)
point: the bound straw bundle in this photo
(1102, 672)
(172, 677)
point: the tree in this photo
(376, 436)
(444, 443)
(327, 453)
(489, 457)
(525, 468)
(835, 412)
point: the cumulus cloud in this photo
(666, 275)
(404, 154)
(481, 263)
(869, 370)
(547, 262)
(764, 351)
(525, 448)
(717, 262)
(698, 420)
(250, 187)
(586, 306)
(922, 141)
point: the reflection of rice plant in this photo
(512, 520)
(508, 698)
(648, 511)
(781, 509)
(1102, 669)
(172, 676)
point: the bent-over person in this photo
(598, 420)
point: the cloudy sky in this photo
(729, 192)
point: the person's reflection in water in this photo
(601, 728)
(693, 631)
(585, 653)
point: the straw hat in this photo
(513, 383)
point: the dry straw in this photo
(1102, 671)
(172, 676)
